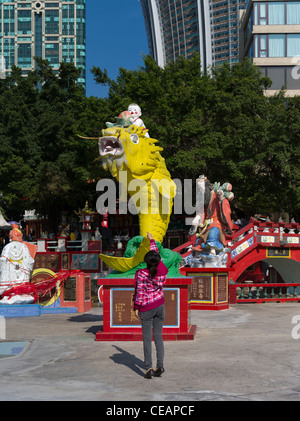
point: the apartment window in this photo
(24, 55)
(261, 46)
(276, 45)
(52, 21)
(24, 22)
(260, 13)
(276, 13)
(293, 13)
(293, 45)
(52, 53)
(9, 52)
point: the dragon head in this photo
(129, 149)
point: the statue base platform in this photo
(131, 336)
(75, 297)
(76, 292)
(32, 310)
(120, 322)
(209, 288)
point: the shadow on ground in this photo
(129, 360)
(88, 318)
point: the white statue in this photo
(136, 113)
(98, 236)
(16, 264)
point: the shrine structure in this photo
(120, 322)
(262, 265)
(29, 288)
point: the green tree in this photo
(221, 124)
(43, 163)
(213, 123)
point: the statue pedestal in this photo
(209, 288)
(75, 297)
(120, 322)
(76, 292)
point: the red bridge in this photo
(265, 254)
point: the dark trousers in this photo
(153, 319)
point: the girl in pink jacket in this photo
(149, 304)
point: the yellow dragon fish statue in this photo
(128, 148)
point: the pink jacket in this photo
(149, 291)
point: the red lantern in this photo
(105, 220)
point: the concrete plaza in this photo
(246, 353)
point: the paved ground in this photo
(241, 354)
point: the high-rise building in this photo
(51, 29)
(224, 15)
(181, 27)
(178, 28)
(270, 36)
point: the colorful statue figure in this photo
(16, 264)
(213, 218)
(135, 113)
(129, 150)
(128, 118)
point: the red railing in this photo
(279, 230)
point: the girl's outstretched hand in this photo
(149, 236)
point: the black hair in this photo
(152, 259)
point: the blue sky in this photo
(115, 37)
